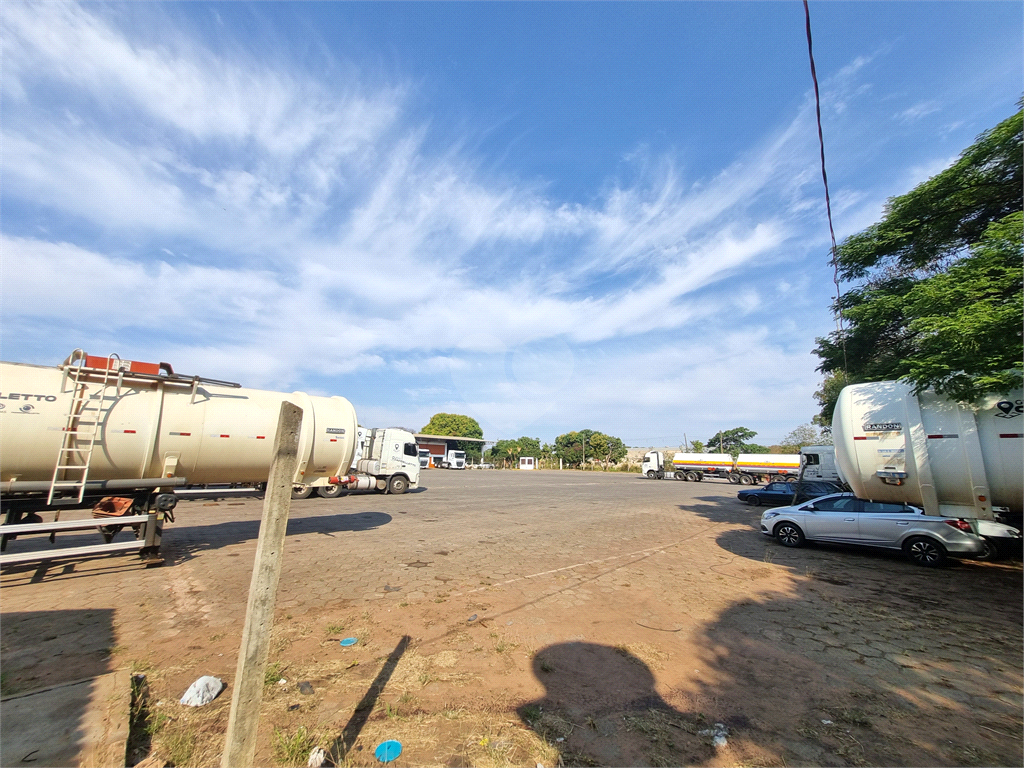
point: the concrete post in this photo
(240, 746)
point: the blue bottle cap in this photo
(348, 641)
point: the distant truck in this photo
(385, 460)
(747, 469)
(686, 466)
(819, 463)
(424, 455)
(454, 460)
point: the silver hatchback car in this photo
(844, 519)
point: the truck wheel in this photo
(734, 478)
(650, 474)
(397, 484)
(329, 491)
(700, 476)
(746, 480)
(691, 476)
(300, 491)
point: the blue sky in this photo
(545, 216)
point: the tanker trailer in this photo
(751, 467)
(951, 459)
(96, 425)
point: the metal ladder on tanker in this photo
(83, 422)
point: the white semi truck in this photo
(686, 466)
(101, 426)
(819, 463)
(950, 459)
(454, 460)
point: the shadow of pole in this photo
(365, 706)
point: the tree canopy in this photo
(508, 452)
(940, 298)
(453, 424)
(456, 425)
(575, 448)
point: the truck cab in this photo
(653, 465)
(454, 460)
(819, 462)
(424, 455)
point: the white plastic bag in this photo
(202, 691)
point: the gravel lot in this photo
(517, 618)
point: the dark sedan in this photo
(781, 494)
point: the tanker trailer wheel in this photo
(700, 476)
(300, 491)
(734, 478)
(692, 477)
(746, 480)
(398, 484)
(329, 491)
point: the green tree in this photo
(805, 434)
(696, 446)
(456, 425)
(732, 441)
(940, 302)
(827, 395)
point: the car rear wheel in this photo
(991, 551)
(789, 534)
(753, 500)
(926, 552)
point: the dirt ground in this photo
(547, 618)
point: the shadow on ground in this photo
(869, 660)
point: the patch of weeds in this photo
(769, 555)
(272, 673)
(291, 749)
(504, 645)
(850, 716)
(426, 679)
(336, 629)
(971, 755)
(545, 665)
(179, 744)
(7, 688)
(448, 712)
(553, 726)
(406, 698)
(532, 713)
(403, 604)
(390, 711)
(575, 759)
(440, 600)
(218, 636)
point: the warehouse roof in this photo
(455, 437)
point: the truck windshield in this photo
(459, 454)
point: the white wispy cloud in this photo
(260, 223)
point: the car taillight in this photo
(962, 525)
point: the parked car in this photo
(845, 519)
(777, 493)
